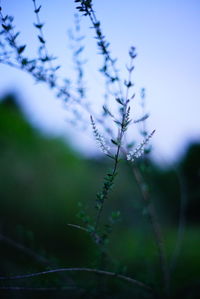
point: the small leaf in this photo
(119, 101)
(118, 122)
(46, 58)
(132, 53)
(21, 49)
(97, 24)
(143, 118)
(114, 142)
(15, 36)
(41, 39)
(130, 145)
(79, 51)
(107, 111)
(38, 9)
(5, 18)
(132, 97)
(128, 84)
(24, 61)
(39, 26)
(7, 28)
(127, 123)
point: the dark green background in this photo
(43, 179)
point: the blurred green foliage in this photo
(42, 180)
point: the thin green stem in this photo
(107, 190)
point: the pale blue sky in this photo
(166, 36)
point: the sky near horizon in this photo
(167, 40)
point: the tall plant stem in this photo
(182, 218)
(107, 190)
(156, 230)
(116, 157)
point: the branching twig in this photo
(100, 272)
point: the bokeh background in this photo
(47, 166)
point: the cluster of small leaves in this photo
(109, 71)
(124, 110)
(127, 120)
(100, 237)
(4, 52)
(107, 229)
(85, 6)
(89, 226)
(108, 68)
(107, 186)
(123, 102)
(12, 53)
(11, 39)
(17, 58)
(83, 215)
(44, 57)
(101, 197)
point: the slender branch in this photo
(100, 272)
(78, 227)
(39, 26)
(156, 228)
(108, 58)
(36, 289)
(24, 249)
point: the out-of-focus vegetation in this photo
(42, 180)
